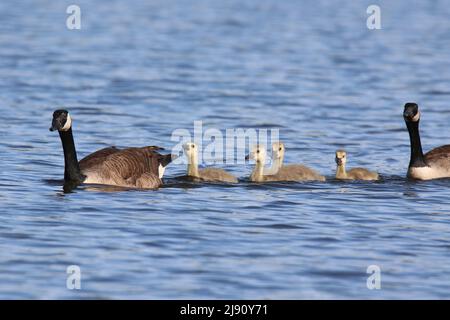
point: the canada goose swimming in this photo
(353, 174)
(130, 167)
(434, 164)
(208, 174)
(291, 172)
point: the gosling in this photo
(208, 174)
(259, 154)
(353, 174)
(291, 172)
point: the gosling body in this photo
(291, 172)
(287, 173)
(208, 174)
(352, 174)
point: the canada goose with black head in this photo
(208, 174)
(291, 172)
(130, 167)
(434, 164)
(352, 174)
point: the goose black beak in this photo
(411, 110)
(408, 114)
(54, 126)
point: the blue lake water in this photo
(138, 70)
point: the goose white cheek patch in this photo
(416, 117)
(68, 123)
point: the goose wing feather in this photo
(439, 156)
(97, 157)
(131, 167)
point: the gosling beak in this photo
(247, 157)
(339, 161)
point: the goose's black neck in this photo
(72, 170)
(417, 159)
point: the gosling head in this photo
(341, 157)
(278, 150)
(411, 112)
(61, 121)
(258, 154)
(190, 149)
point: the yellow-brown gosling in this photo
(434, 164)
(276, 162)
(291, 172)
(208, 174)
(259, 154)
(353, 174)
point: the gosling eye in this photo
(257, 151)
(279, 149)
(193, 146)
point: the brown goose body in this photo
(96, 157)
(130, 167)
(435, 164)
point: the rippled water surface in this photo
(138, 70)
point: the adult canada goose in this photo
(353, 174)
(434, 164)
(208, 174)
(130, 167)
(259, 154)
(291, 172)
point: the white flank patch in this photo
(427, 173)
(416, 117)
(161, 170)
